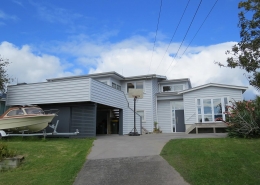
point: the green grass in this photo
(51, 161)
(215, 161)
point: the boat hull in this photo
(30, 123)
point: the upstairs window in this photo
(135, 85)
(130, 86)
(118, 87)
(139, 85)
(172, 88)
(113, 85)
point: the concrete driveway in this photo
(129, 160)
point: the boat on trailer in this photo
(29, 121)
(25, 118)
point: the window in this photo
(15, 112)
(141, 113)
(33, 111)
(199, 108)
(211, 109)
(113, 85)
(139, 85)
(167, 88)
(135, 85)
(130, 86)
(172, 88)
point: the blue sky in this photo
(37, 22)
(50, 38)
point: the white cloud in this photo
(133, 57)
(129, 57)
(25, 66)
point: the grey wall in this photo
(84, 119)
(81, 116)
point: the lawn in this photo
(215, 161)
(51, 161)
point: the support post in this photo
(134, 133)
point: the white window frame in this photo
(134, 82)
(144, 118)
(212, 108)
(172, 86)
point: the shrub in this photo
(156, 129)
(5, 152)
(243, 119)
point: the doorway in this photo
(178, 122)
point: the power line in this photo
(155, 35)
(185, 35)
(199, 27)
(173, 34)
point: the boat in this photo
(25, 119)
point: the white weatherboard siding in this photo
(104, 79)
(155, 89)
(76, 90)
(145, 104)
(208, 92)
(164, 116)
(106, 95)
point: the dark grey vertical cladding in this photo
(84, 118)
(63, 116)
(120, 121)
(64, 119)
(180, 124)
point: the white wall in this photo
(208, 92)
(164, 116)
(145, 104)
(74, 90)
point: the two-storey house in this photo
(99, 103)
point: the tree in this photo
(246, 53)
(3, 74)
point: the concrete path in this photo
(129, 160)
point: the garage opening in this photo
(108, 120)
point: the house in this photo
(99, 103)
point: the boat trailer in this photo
(43, 133)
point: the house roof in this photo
(108, 74)
(243, 88)
(145, 76)
(176, 81)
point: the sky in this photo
(56, 38)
